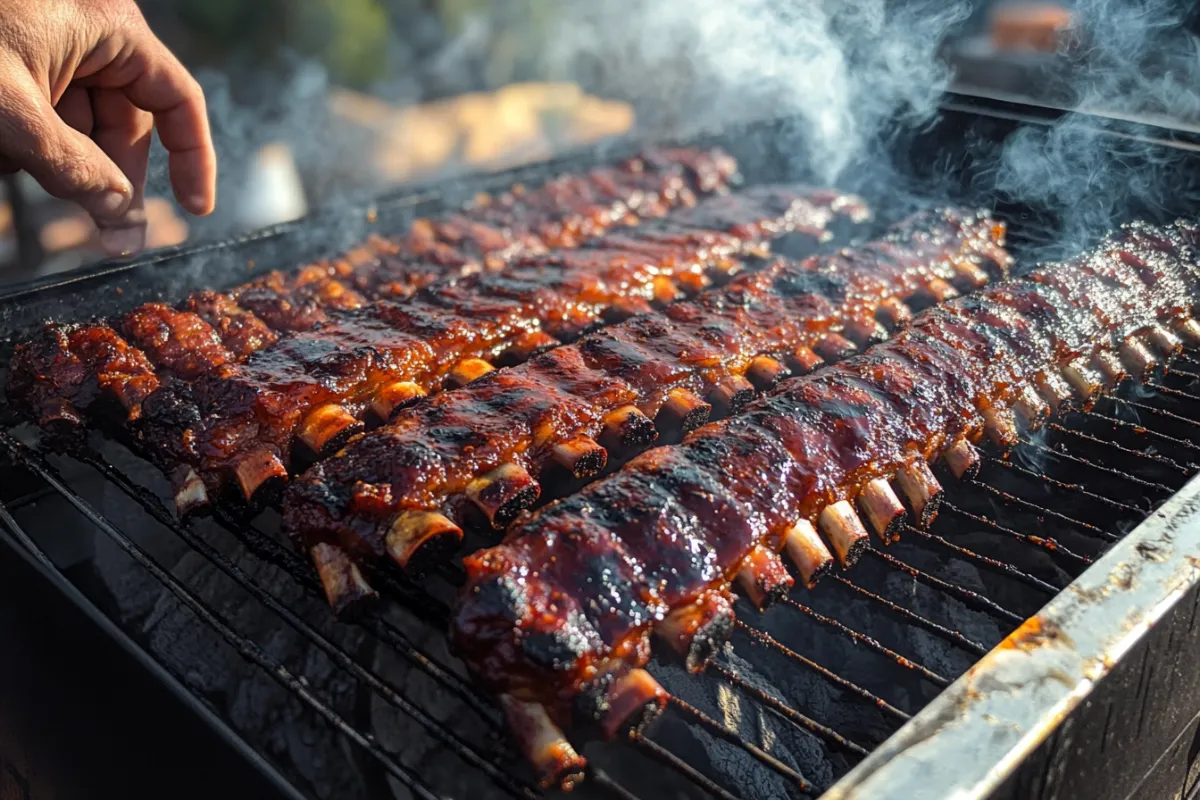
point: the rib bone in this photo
(1137, 358)
(844, 531)
(682, 413)
(698, 631)
(806, 550)
(963, 459)
(730, 395)
(393, 397)
(627, 427)
(922, 490)
(503, 493)
(882, 508)
(467, 370)
(764, 372)
(260, 473)
(581, 456)
(543, 743)
(327, 428)
(763, 577)
(344, 585)
(421, 532)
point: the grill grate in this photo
(1080, 484)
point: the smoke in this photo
(1129, 60)
(844, 70)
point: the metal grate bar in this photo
(1159, 412)
(246, 648)
(968, 597)
(390, 694)
(1127, 451)
(1098, 467)
(1046, 543)
(1070, 487)
(1000, 566)
(764, 638)
(787, 712)
(600, 778)
(1142, 430)
(868, 642)
(1012, 499)
(296, 568)
(1174, 392)
(913, 618)
(675, 763)
(720, 731)
(1183, 372)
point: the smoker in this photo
(1037, 641)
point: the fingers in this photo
(64, 161)
(122, 131)
(75, 109)
(164, 88)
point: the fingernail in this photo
(113, 203)
(122, 241)
(197, 204)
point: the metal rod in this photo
(300, 572)
(1099, 467)
(659, 753)
(1070, 487)
(1128, 451)
(1175, 392)
(1044, 542)
(269, 549)
(787, 712)
(720, 731)
(764, 638)
(954, 637)
(246, 648)
(446, 736)
(1159, 412)
(1185, 373)
(598, 778)
(1005, 569)
(1012, 499)
(968, 597)
(869, 643)
(1142, 430)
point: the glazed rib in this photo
(210, 329)
(305, 395)
(414, 483)
(559, 616)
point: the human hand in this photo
(82, 85)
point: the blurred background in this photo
(316, 101)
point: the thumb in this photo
(66, 163)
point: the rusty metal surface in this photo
(966, 742)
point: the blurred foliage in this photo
(350, 37)
(459, 45)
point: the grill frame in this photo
(172, 273)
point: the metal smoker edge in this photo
(967, 741)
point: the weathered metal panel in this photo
(1025, 702)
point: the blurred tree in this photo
(350, 37)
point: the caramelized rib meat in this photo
(571, 596)
(67, 371)
(429, 456)
(494, 229)
(270, 400)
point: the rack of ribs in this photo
(248, 424)
(406, 490)
(558, 619)
(219, 421)
(211, 329)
